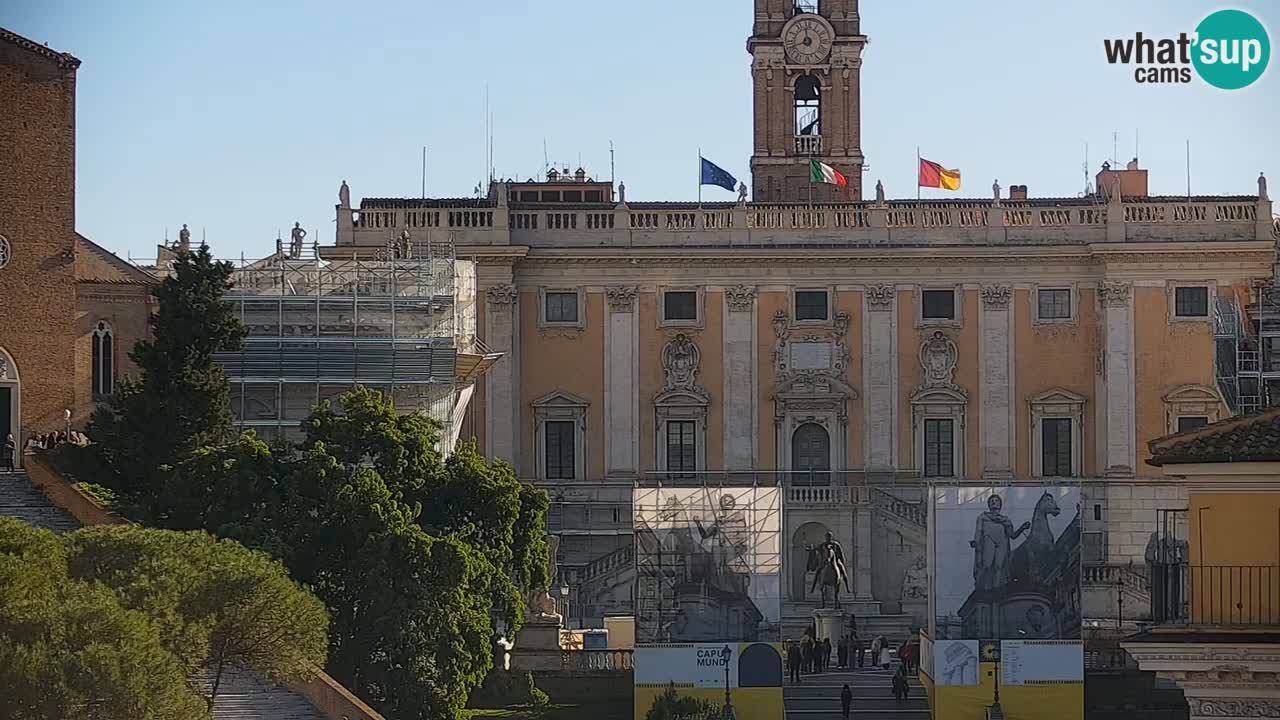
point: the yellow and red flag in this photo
(933, 175)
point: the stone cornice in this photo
(1258, 259)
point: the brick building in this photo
(37, 235)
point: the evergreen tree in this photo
(181, 401)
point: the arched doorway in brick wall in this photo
(10, 403)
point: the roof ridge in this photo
(65, 60)
(141, 277)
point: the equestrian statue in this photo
(827, 563)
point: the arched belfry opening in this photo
(808, 106)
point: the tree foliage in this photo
(415, 556)
(671, 705)
(181, 401)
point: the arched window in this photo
(811, 454)
(104, 379)
(808, 107)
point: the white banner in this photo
(693, 665)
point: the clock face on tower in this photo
(807, 39)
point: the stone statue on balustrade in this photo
(344, 195)
(742, 193)
(184, 239)
(992, 545)
(296, 237)
(879, 193)
(404, 245)
(995, 190)
(1262, 187)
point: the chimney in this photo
(1017, 192)
(1132, 180)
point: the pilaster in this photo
(995, 383)
(502, 412)
(1118, 368)
(739, 378)
(880, 407)
(621, 377)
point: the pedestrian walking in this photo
(842, 653)
(846, 701)
(900, 687)
(826, 654)
(875, 651)
(8, 452)
(860, 649)
(806, 654)
(793, 662)
(884, 652)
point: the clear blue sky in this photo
(241, 117)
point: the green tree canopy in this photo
(181, 401)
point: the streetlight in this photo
(728, 712)
(564, 602)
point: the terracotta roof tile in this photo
(1246, 438)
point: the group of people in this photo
(39, 441)
(812, 655)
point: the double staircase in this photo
(241, 696)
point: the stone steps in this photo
(241, 696)
(20, 499)
(818, 695)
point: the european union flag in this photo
(713, 174)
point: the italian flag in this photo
(823, 173)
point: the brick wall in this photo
(37, 217)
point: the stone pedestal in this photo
(828, 623)
(537, 645)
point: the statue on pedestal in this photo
(742, 193)
(184, 239)
(541, 606)
(915, 585)
(995, 190)
(344, 195)
(1262, 187)
(879, 193)
(296, 236)
(827, 562)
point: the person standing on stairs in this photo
(859, 650)
(793, 662)
(8, 452)
(900, 686)
(884, 652)
(826, 654)
(842, 652)
(846, 701)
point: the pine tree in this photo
(181, 401)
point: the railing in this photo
(779, 478)
(1116, 574)
(914, 513)
(819, 495)
(808, 144)
(615, 660)
(622, 558)
(1232, 595)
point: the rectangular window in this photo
(682, 450)
(1055, 447)
(1191, 423)
(1191, 302)
(1094, 548)
(939, 448)
(550, 196)
(573, 196)
(680, 305)
(617, 516)
(1054, 304)
(938, 304)
(560, 451)
(811, 305)
(1097, 511)
(562, 307)
(527, 196)
(594, 196)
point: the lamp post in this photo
(564, 602)
(728, 712)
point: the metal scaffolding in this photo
(317, 328)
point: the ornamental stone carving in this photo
(996, 297)
(880, 297)
(680, 360)
(502, 297)
(621, 299)
(4, 367)
(740, 298)
(1114, 293)
(938, 356)
(1233, 708)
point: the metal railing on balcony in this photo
(808, 144)
(794, 478)
(1227, 595)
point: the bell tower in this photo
(806, 58)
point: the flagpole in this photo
(699, 177)
(917, 173)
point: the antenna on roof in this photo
(487, 164)
(1115, 152)
(546, 163)
(610, 162)
(424, 172)
(1188, 169)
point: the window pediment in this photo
(1058, 401)
(560, 399)
(813, 385)
(682, 398)
(1192, 394)
(940, 395)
